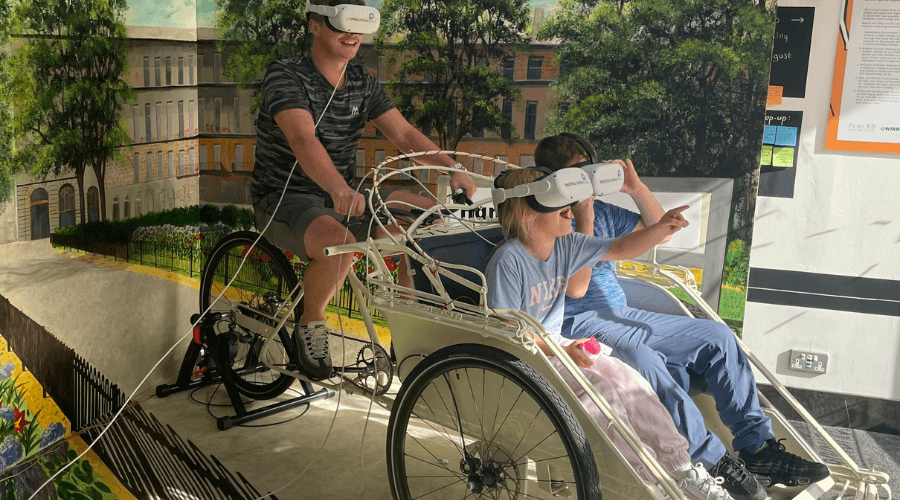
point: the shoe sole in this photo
(791, 480)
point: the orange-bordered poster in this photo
(864, 113)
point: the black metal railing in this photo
(81, 392)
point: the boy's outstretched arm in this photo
(638, 242)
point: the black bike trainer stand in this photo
(204, 333)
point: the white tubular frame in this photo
(518, 329)
(864, 483)
(475, 318)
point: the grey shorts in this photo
(296, 213)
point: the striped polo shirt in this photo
(295, 83)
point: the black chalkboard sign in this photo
(790, 52)
(780, 151)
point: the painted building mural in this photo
(192, 142)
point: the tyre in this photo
(261, 288)
(471, 421)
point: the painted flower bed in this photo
(30, 453)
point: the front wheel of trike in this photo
(471, 421)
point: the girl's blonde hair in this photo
(511, 212)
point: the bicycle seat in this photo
(467, 249)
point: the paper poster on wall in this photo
(865, 95)
(778, 159)
(790, 51)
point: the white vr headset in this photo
(565, 187)
(348, 18)
(607, 178)
(554, 191)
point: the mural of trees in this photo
(679, 86)
(257, 33)
(453, 82)
(66, 81)
(7, 172)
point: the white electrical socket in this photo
(808, 361)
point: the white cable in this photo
(191, 329)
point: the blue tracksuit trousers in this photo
(665, 349)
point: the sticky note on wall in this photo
(786, 136)
(765, 158)
(782, 157)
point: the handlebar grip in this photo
(459, 197)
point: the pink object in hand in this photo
(591, 347)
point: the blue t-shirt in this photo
(610, 221)
(517, 280)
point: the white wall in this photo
(843, 220)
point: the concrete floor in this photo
(325, 453)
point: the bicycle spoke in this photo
(438, 489)
(425, 421)
(462, 440)
(458, 475)
(510, 412)
(475, 403)
(525, 433)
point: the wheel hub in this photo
(479, 474)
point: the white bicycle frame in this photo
(422, 323)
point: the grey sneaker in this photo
(698, 484)
(312, 350)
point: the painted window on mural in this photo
(535, 67)
(93, 202)
(360, 162)
(236, 110)
(530, 119)
(40, 214)
(506, 113)
(67, 206)
(181, 119)
(509, 68)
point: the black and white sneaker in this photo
(311, 342)
(781, 467)
(739, 483)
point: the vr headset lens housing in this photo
(550, 193)
(606, 178)
(348, 18)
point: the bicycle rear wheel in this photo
(471, 421)
(260, 289)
